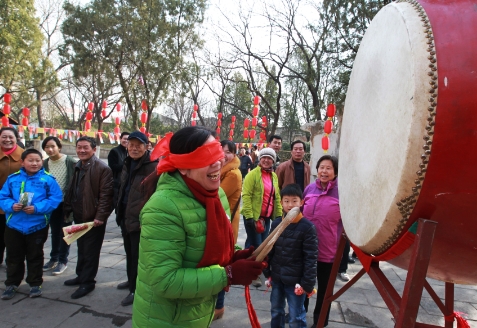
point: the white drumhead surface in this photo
(383, 125)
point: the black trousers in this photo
(89, 249)
(21, 247)
(323, 272)
(131, 246)
(2, 233)
(344, 259)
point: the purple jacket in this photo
(322, 208)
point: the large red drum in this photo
(408, 146)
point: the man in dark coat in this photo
(116, 158)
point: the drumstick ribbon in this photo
(461, 322)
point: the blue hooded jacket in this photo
(47, 195)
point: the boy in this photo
(292, 261)
(28, 197)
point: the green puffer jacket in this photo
(252, 195)
(171, 291)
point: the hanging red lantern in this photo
(196, 107)
(252, 134)
(7, 109)
(90, 106)
(26, 111)
(25, 121)
(233, 118)
(246, 123)
(7, 98)
(254, 122)
(217, 130)
(230, 138)
(232, 125)
(117, 120)
(87, 125)
(331, 110)
(219, 116)
(256, 100)
(231, 133)
(117, 130)
(143, 117)
(143, 129)
(194, 114)
(5, 121)
(255, 111)
(89, 116)
(328, 126)
(118, 107)
(325, 144)
(144, 105)
(193, 123)
(105, 104)
(245, 134)
(262, 135)
(103, 113)
(264, 120)
(219, 123)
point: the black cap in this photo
(140, 136)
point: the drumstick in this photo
(262, 251)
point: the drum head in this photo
(384, 122)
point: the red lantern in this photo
(7, 109)
(217, 130)
(117, 121)
(144, 105)
(232, 125)
(193, 123)
(117, 130)
(143, 117)
(331, 110)
(246, 123)
(143, 129)
(230, 138)
(103, 113)
(262, 135)
(255, 111)
(245, 134)
(264, 120)
(26, 111)
(90, 106)
(25, 121)
(118, 107)
(87, 125)
(328, 126)
(252, 134)
(256, 100)
(254, 122)
(105, 104)
(219, 116)
(219, 123)
(325, 143)
(194, 114)
(5, 121)
(196, 107)
(89, 116)
(233, 118)
(231, 133)
(7, 98)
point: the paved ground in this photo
(361, 306)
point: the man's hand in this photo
(17, 207)
(29, 209)
(250, 223)
(98, 223)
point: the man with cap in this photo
(137, 166)
(261, 201)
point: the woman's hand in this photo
(250, 223)
(242, 272)
(243, 254)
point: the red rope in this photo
(251, 311)
(461, 322)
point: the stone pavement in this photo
(360, 306)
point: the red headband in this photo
(201, 157)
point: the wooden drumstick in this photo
(262, 251)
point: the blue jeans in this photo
(59, 249)
(220, 300)
(254, 238)
(280, 292)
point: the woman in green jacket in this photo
(186, 252)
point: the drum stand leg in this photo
(403, 309)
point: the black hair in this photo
(7, 128)
(298, 141)
(55, 139)
(30, 151)
(230, 145)
(333, 160)
(188, 139)
(292, 189)
(124, 134)
(91, 141)
(254, 147)
(274, 136)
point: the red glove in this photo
(243, 254)
(242, 272)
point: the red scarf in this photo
(9, 151)
(219, 242)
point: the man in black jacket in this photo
(292, 261)
(137, 166)
(116, 158)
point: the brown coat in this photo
(97, 192)
(9, 164)
(231, 183)
(286, 174)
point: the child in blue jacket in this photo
(27, 221)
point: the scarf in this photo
(8, 152)
(219, 242)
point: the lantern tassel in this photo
(461, 322)
(251, 311)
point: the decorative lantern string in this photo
(263, 134)
(232, 127)
(194, 115)
(26, 114)
(117, 120)
(328, 127)
(89, 117)
(256, 103)
(219, 124)
(7, 98)
(143, 116)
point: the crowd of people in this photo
(178, 208)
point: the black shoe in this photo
(287, 317)
(72, 282)
(351, 260)
(123, 285)
(82, 291)
(128, 300)
(354, 255)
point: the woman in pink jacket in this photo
(322, 208)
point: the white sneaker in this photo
(343, 276)
(257, 282)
